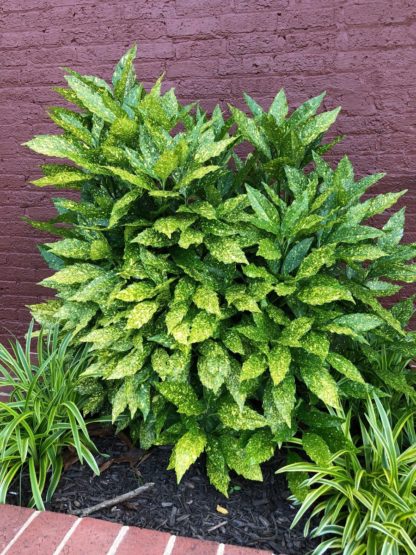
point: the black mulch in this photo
(259, 514)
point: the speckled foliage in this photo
(225, 300)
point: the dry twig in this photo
(114, 501)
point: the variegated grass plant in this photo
(42, 416)
(362, 500)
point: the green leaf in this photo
(237, 296)
(260, 447)
(295, 216)
(207, 299)
(279, 108)
(359, 322)
(176, 314)
(359, 253)
(188, 448)
(393, 230)
(318, 125)
(44, 313)
(237, 460)
(279, 363)
(316, 343)
(73, 123)
(324, 289)
(73, 274)
(317, 449)
(174, 367)
(198, 173)
(203, 327)
(190, 237)
(305, 110)
(100, 249)
(141, 314)
(269, 249)
(167, 162)
(294, 331)
(345, 366)
(267, 215)
(70, 248)
(319, 381)
(124, 75)
(58, 146)
(183, 396)
(284, 397)
(216, 466)
(211, 150)
(246, 419)
(119, 402)
(102, 337)
(213, 365)
(296, 480)
(371, 207)
(322, 256)
(367, 297)
(296, 255)
(284, 289)
(65, 179)
(122, 206)
(170, 224)
(233, 342)
(129, 364)
(255, 108)
(136, 292)
(139, 180)
(226, 249)
(253, 366)
(96, 102)
(347, 233)
(248, 129)
(296, 180)
(97, 290)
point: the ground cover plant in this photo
(227, 302)
(364, 496)
(42, 416)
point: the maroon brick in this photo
(11, 520)
(236, 550)
(190, 546)
(91, 537)
(43, 535)
(143, 542)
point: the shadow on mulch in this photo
(259, 514)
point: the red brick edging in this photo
(25, 531)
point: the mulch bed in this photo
(259, 514)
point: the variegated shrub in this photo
(224, 299)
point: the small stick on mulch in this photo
(114, 501)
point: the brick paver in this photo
(27, 532)
(43, 535)
(91, 537)
(192, 546)
(11, 521)
(143, 542)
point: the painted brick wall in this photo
(363, 52)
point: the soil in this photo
(256, 514)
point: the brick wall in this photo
(362, 52)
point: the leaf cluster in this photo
(220, 297)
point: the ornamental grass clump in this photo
(365, 497)
(42, 418)
(221, 297)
